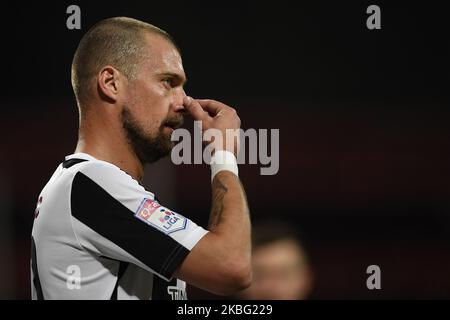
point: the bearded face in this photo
(150, 146)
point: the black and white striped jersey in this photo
(98, 234)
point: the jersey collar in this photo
(80, 155)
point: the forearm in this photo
(229, 218)
(221, 261)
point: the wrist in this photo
(223, 160)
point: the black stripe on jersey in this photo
(97, 209)
(36, 281)
(71, 162)
(122, 267)
(159, 289)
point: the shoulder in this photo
(107, 176)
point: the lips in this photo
(172, 126)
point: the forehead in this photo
(162, 56)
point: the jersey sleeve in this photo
(114, 216)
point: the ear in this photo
(109, 83)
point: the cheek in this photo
(150, 106)
(144, 93)
(153, 101)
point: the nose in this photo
(179, 97)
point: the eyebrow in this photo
(182, 79)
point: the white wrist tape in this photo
(223, 160)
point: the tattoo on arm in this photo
(218, 192)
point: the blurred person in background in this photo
(281, 267)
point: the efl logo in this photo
(163, 219)
(147, 208)
(168, 218)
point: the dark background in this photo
(363, 118)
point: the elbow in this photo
(238, 277)
(243, 279)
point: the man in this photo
(281, 267)
(98, 234)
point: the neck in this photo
(107, 142)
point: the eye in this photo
(167, 81)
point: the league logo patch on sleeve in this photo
(163, 219)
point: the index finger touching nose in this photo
(194, 108)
